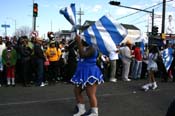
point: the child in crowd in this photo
(9, 58)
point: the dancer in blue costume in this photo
(87, 76)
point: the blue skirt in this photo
(87, 73)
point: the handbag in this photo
(47, 63)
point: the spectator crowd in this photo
(35, 61)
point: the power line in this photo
(143, 9)
(140, 17)
(172, 7)
(140, 22)
(137, 18)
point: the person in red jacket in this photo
(137, 62)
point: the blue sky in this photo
(49, 18)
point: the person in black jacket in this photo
(72, 60)
(25, 53)
(39, 59)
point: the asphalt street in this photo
(114, 99)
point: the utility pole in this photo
(80, 13)
(15, 26)
(51, 25)
(163, 16)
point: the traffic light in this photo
(114, 3)
(35, 10)
(155, 30)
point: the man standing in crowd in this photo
(137, 62)
(72, 60)
(39, 59)
(25, 53)
(126, 57)
(113, 56)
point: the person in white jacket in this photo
(113, 57)
(126, 57)
(2, 47)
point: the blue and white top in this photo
(87, 71)
(152, 65)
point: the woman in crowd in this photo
(53, 54)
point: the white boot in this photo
(13, 81)
(80, 110)
(92, 112)
(8, 81)
(146, 86)
(154, 85)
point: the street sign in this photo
(34, 34)
(5, 26)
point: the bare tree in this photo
(23, 31)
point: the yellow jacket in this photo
(53, 54)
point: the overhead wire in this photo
(140, 17)
(139, 22)
(143, 9)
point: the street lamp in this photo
(14, 22)
(116, 3)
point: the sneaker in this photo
(79, 111)
(127, 80)
(90, 113)
(114, 80)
